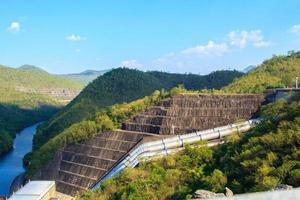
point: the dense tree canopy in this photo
(279, 71)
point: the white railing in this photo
(161, 147)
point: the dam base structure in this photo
(79, 167)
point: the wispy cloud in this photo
(131, 64)
(14, 27)
(210, 49)
(75, 38)
(244, 38)
(295, 29)
(212, 53)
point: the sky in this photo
(183, 36)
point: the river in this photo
(11, 164)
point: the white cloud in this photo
(75, 38)
(130, 63)
(210, 56)
(14, 27)
(295, 29)
(211, 49)
(242, 38)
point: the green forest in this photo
(258, 160)
(108, 118)
(101, 107)
(279, 71)
(124, 85)
(20, 108)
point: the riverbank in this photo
(11, 164)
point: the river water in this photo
(11, 164)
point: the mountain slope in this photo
(84, 77)
(279, 71)
(259, 160)
(30, 79)
(28, 95)
(124, 85)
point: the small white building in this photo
(35, 190)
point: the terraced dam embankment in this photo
(77, 167)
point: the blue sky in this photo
(197, 36)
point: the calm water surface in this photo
(11, 164)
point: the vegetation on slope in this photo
(31, 77)
(214, 80)
(14, 118)
(107, 118)
(256, 161)
(279, 71)
(123, 85)
(21, 103)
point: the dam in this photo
(78, 167)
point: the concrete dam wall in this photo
(77, 167)
(188, 113)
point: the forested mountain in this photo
(30, 78)
(239, 163)
(266, 156)
(259, 160)
(28, 95)
(279, 71)
(124, 85)
(84, 77)
(214, 80)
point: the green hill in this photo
(264, 157)
(259, 160)
(84, 77)
(28, 95)
(32, 77)
(124, 85)
(268, 155)
(279, 71)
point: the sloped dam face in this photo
(77, 167)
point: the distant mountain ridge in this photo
(34, 80)
(84, 77)
(249, 68)
(32, 68)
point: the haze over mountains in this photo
(28, 95)
(249, 68)
(84, 77)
